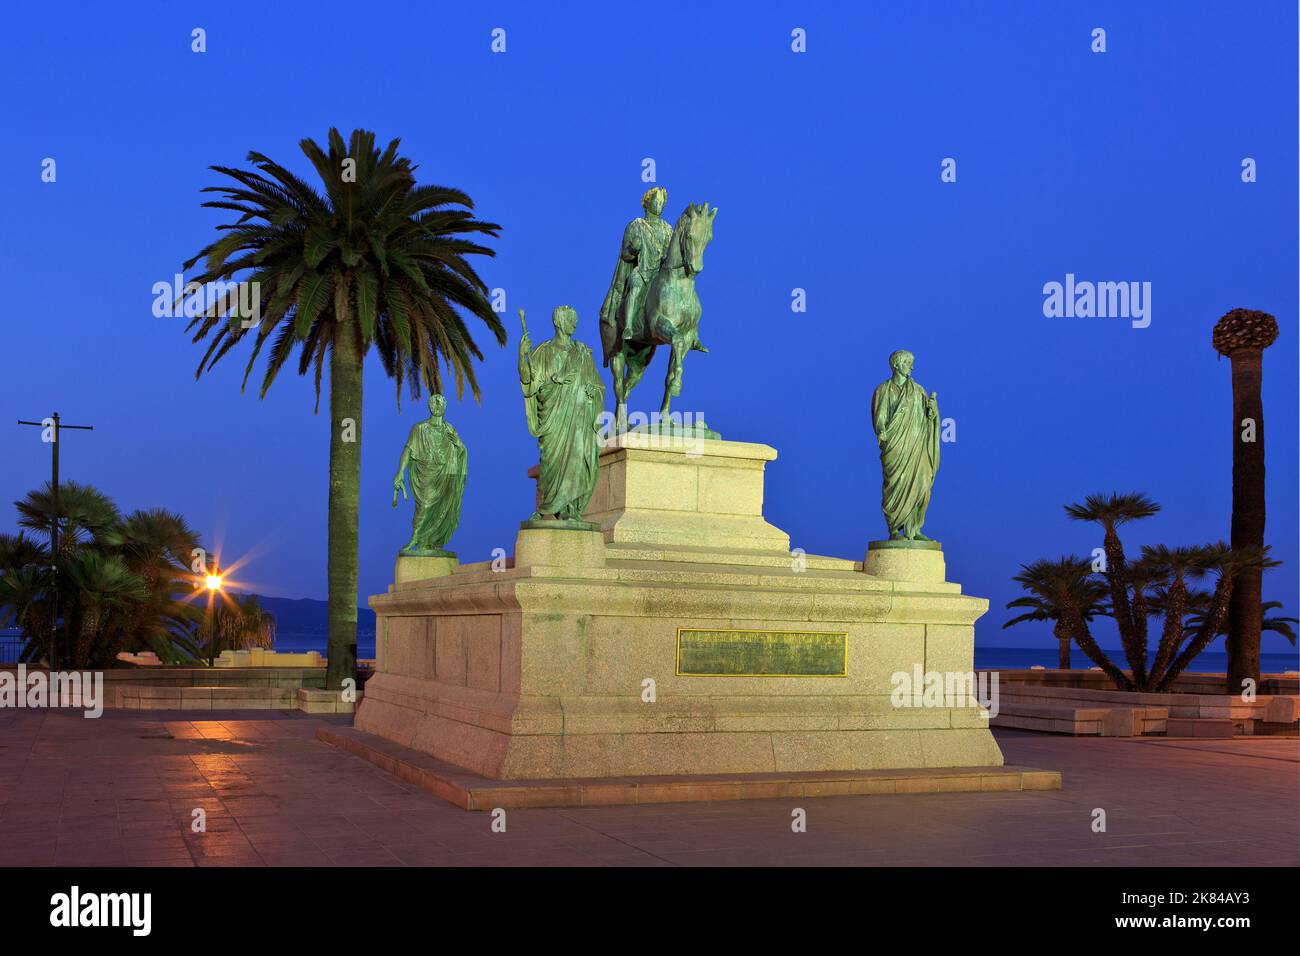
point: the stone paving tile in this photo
(122, 790)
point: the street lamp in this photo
(213, 584)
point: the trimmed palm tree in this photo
(372, 260)
(1062, 592)
(1112, 512)
(1242, 335)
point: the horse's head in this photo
(693, 231)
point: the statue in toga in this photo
(437, 462)
(563, 397)
(906, 421)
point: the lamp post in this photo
(56, 427)
(213, 583)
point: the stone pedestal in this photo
(421, 567)
(559, 548)
(918, 562)
(680, 638)
(681, 491)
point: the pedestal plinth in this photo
(918, 562)
(420, 567)
(679, 638)
(684, 491)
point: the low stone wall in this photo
(1269, 684)
(149, 697)
(133, 689)
(264, 657)
(1078, 718)
(161, 687)
(1084, 702)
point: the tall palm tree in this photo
(1242, 335)
(373, 260)
(1111, 512)
(1061, 591)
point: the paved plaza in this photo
(123, 790)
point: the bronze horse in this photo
(670, 314)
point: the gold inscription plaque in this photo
(723, 652)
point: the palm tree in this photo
(1111, 512)
(24, 594)
(1060, 591)
(83, 511)
(374, 260)
(1228, 564)
(1242, 335)
(156, 545)
(17, 550)
(236, 621)
(101, 584)
(1171, 567)
(1198, 602)
(119, 583)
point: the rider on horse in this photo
(644, 242)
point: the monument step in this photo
(471, 791)
(682, 554)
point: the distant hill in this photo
(308, 616)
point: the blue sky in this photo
(1118, 166)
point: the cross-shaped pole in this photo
(55, 426)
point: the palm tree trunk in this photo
(1116, 577)
(344, 502)
(1244, 615)
(1083, 637)
(1210, 626)
(1062, 647)
(1172, 634)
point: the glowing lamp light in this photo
(213, 582)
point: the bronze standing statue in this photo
(906, 422)
(437, 462)
(563, 397)
(652, 300)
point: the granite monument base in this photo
(683, 637)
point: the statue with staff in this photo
(563, 399)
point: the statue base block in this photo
(670, 429)
(681, 638)
(557, 524)
(418, 567)
(554, 547)
(903, 560)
